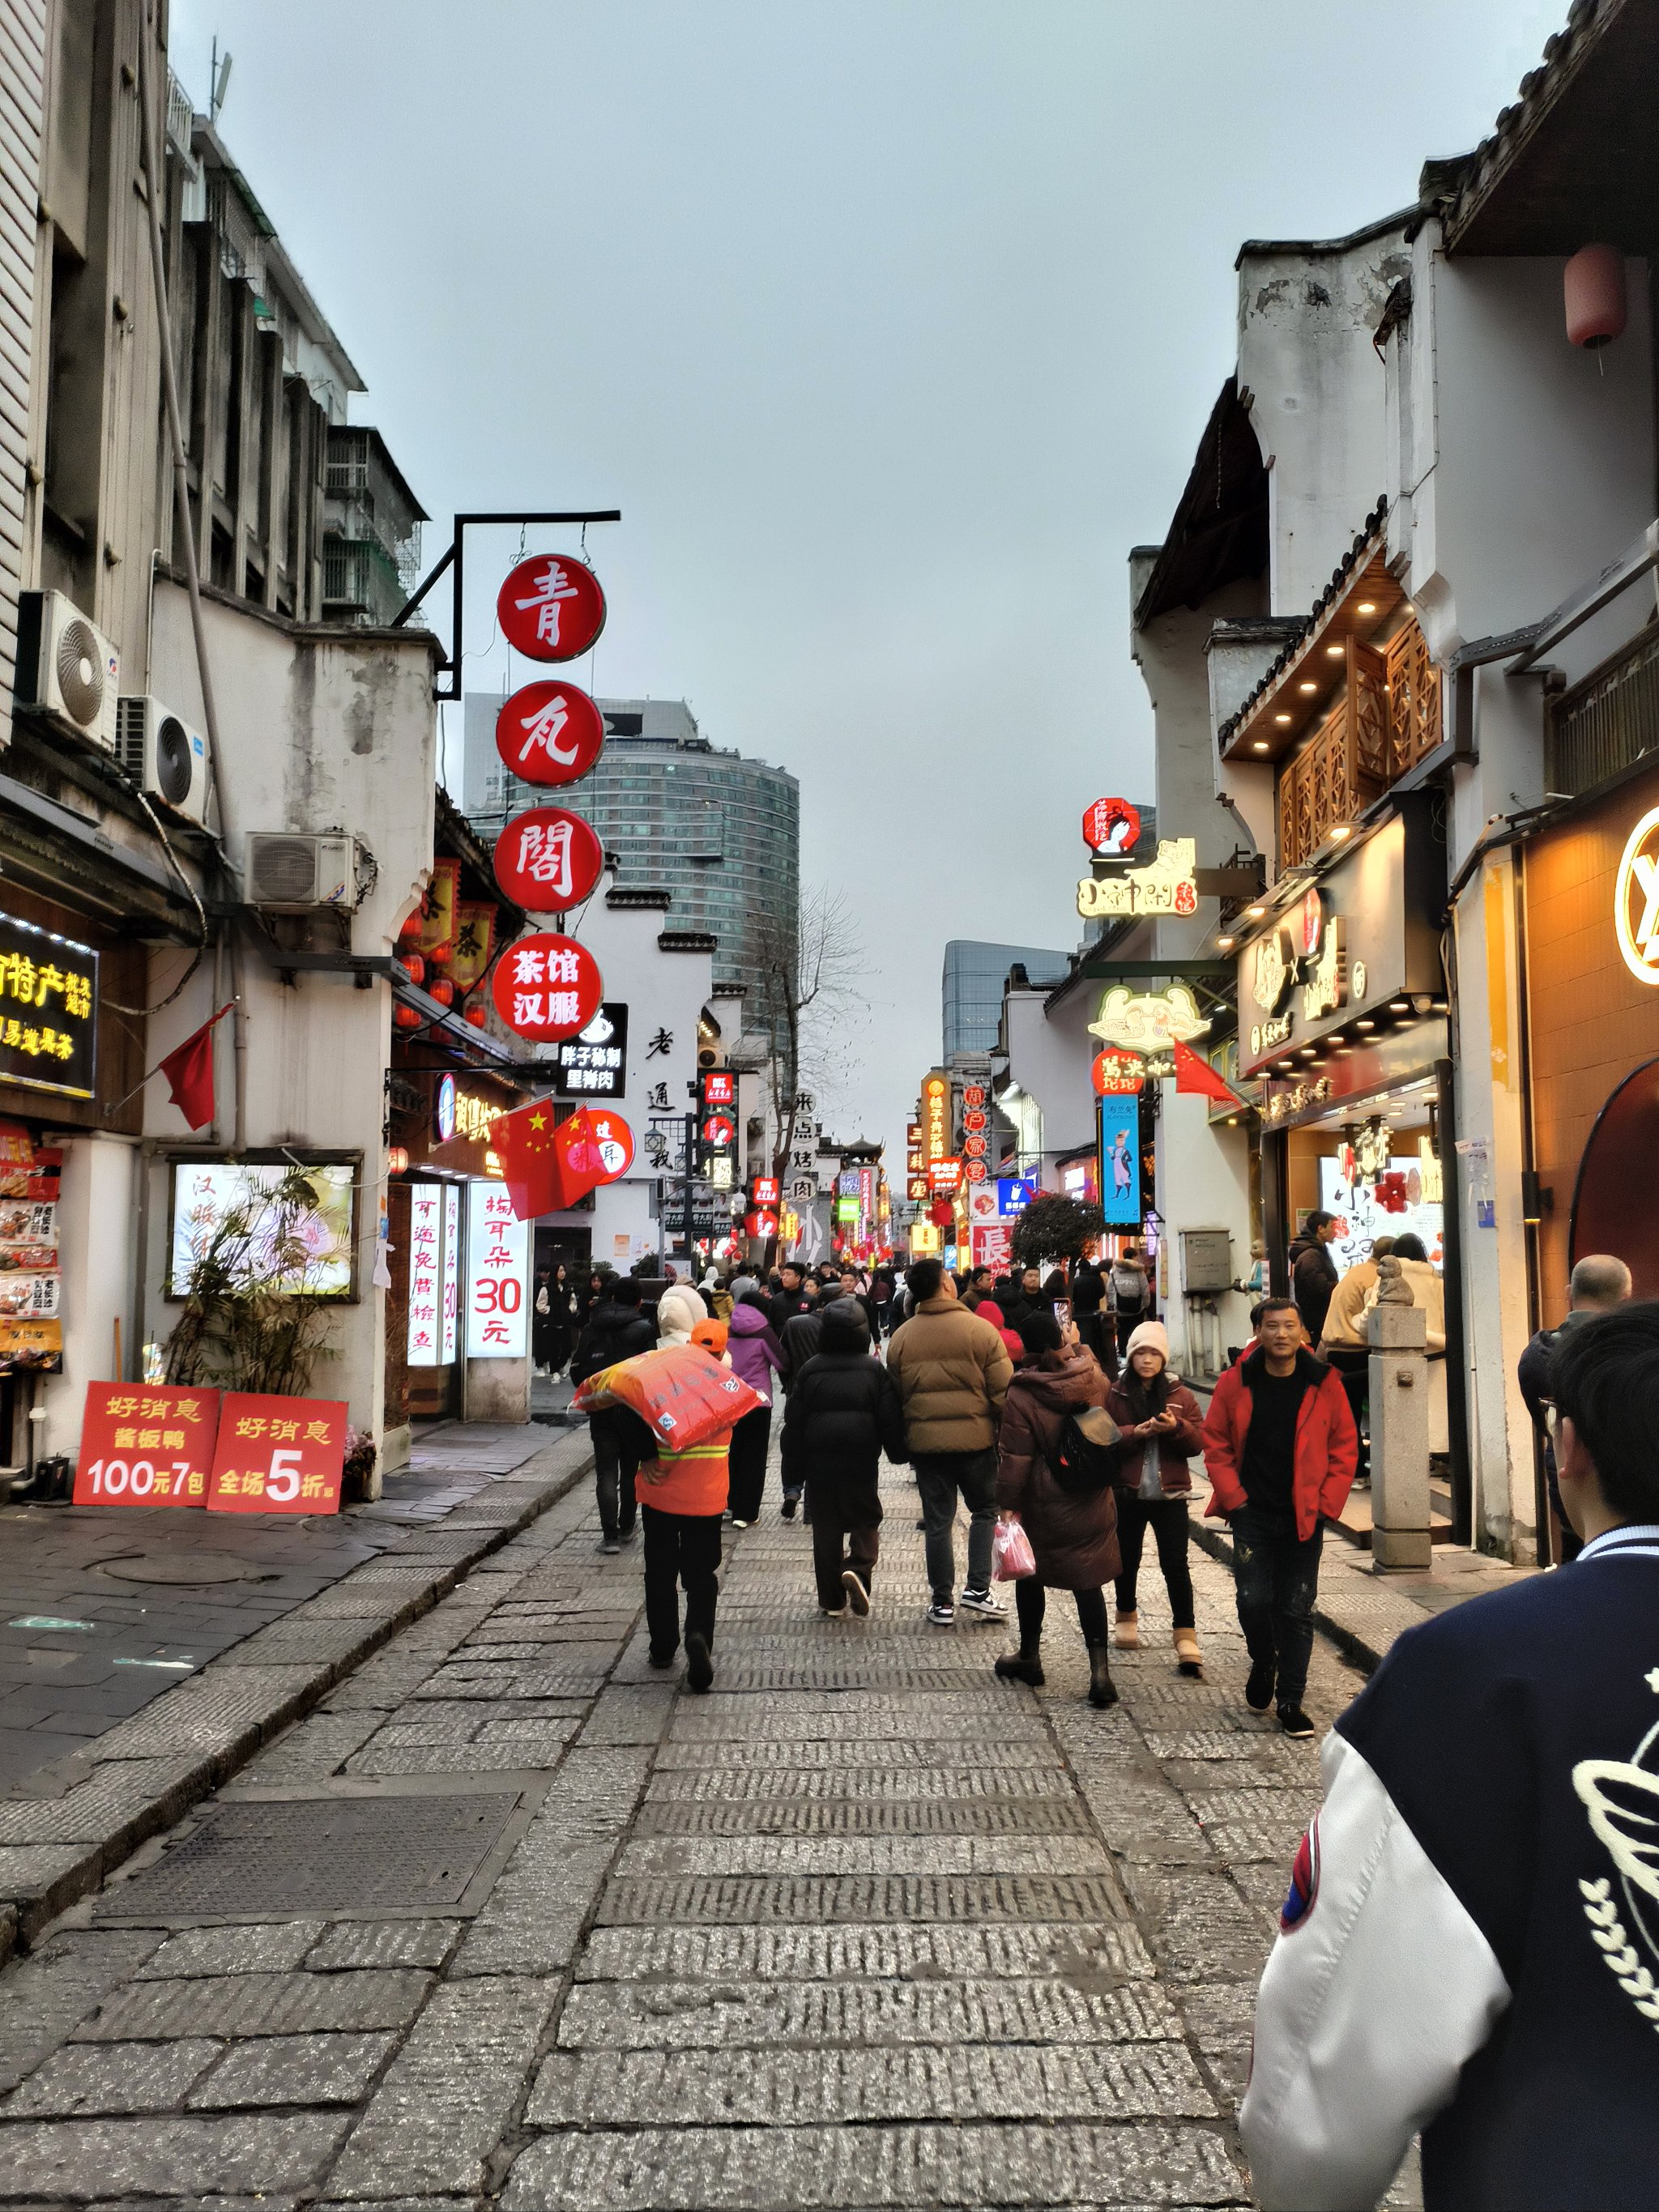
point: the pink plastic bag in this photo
(1011, 1550)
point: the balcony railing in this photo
(1385, 719)
(1607, 723)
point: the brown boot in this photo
(1126, 1635)
(1188, 1657)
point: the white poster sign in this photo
(451, 1277)
(426, 1237)
(497, 1276)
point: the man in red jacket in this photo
(1280, 1447)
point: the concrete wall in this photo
(94, 1209)
(1203, 1182)
(1049, 1056)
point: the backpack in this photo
(1128, 1288)
(1085, 1459)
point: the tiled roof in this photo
(1345, 567)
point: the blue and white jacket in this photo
(1470, 1946)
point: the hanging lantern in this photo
(478, 1013)
(415, 967)
(1593, 288)
(442, 990)
(440, 955)
(396, 1160)
(407, 1018)
(410, 932)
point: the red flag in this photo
(1193, 1072)
(547, 1165)
(189, 1071)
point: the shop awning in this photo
(1305, 682)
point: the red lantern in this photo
(550, 733)
(415, 967)
(442, 990)
(551, 607)
(440, 955)
(410, 932)
(547, 860)
(396, 1160)
(940, 1214)
(478, 1013)
(407, 1018)
(547, 987)
(1593, 291)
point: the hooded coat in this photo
(1073, 1534)
(755, 1353)
(1313, 1279)
(843, 1413)
(613, 1332)
(989, 1310)
(679, 1310)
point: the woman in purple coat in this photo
(756, 1356)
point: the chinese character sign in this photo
(449, 1308)
(426, 1237)
(550, 733)
(547, 860)
(48, 1009)
(278, 1455)
(547, 987)
(498, 1276)
(615, 1139)
(551, 607)
(1111, 826)
(593, 1064)
(141, 1445)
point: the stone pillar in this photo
(1400, 1436)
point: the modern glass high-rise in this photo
(974, 977)
(718, 833)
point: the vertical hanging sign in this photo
(450, 1316)
(425, 1270)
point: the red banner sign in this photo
(550, 733)
(145, 1445)
(945, 1175)
(1118, 1074)
(615, 1139)
(1111, 826)
(551, 607)
(547, 987)
(547, 860)
(766, 1190)
(278, 1455)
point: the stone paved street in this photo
(511, 1920)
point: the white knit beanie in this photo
(1149, 1336)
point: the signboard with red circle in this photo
(720, 1133)
(547, 860)
(547, 987)
(549, 732)
(1118, 1074)
(976, 1170)
(1111, 826)
(615, 1139)
(551, 607)
(278, 1455)
(145, 1445)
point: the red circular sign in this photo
(551, 607)
(548, 860)
(1111, 826)
(616, 1141)
(1118, 1074)
(547, 987)
(549, 732)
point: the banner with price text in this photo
(278, 1455)
(145, 1445)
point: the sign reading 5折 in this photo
(278, 1455)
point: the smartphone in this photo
(1063, 1311)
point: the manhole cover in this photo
(187, 1568)
(392, 1854)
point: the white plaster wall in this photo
(1203, 1182)
(94, 1248)
(1050, 1057)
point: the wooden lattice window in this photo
(1413, 700)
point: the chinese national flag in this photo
(546, 1164)
(1193, 1072)
(189, 1071)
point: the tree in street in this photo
(1056, 1228)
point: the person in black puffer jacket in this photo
(843, 1413)
(616, 1329)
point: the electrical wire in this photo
(195, 901)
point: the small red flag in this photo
(546, 1165)
(189, 1071)
(1194, 1074)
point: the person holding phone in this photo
(1161, 1425)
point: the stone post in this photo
(1398, 1334)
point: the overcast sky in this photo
(890, 326)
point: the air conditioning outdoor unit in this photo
(67, 669)
(290, 872)
(162, 754)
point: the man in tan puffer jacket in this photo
(953, 1372)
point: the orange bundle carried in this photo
(682, 1395)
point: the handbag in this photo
(1011, 1556)
(1085, 1459)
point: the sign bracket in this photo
(455, 559)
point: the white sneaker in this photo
(857, 1595)
(835, 1612)
(982, 1603)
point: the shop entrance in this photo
(1615, 1207)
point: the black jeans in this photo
(1127, 1323)
(838, 1542)
(1353, 1367)
(1167, 1519)
(616, 1463)
(1031, 1603)
(679, 1548)
(939, 1476)
(749, 1441)
(1277, 1581)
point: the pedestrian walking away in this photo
(952, 1371)
(682, 1497)
(1067, 1512)
(1281, 1448)
(1470, 1946)
(798, 1341)
(1161, 1426)
(616, 1330)
(843, 1413)
(1313, 1270)
(1343, 1341)
(756, 1356)
(1131, 1294)
(1600, 1284)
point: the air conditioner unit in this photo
(162, 754)
(67, 669)
(289, 872)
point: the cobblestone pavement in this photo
(511, 1920)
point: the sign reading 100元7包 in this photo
(48, 1009)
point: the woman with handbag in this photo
(1064, 1506)
(1161, 1427)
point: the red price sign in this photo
(547, 987)
(550, 733)
(547, 860)
(278, 1455)
(551, 607)
(141, 1445)
(615, 1139)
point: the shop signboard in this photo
(498, 1276)
(993, 1245)
(48, 1010)
(614, 1138)
(936, 1116)
(142, 1445)
(593, 1064)
(1166, 885)
(547, 987)
(547, 860)
(1364, 1213)
(944, 1176)
(277, 1455)
(1120, 1156)
(847, 1209)
(551, 607)
(438, 923)
(550, 733)
(1636, 900)
(475, 939)
(426, 1241)
(449, 1303)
